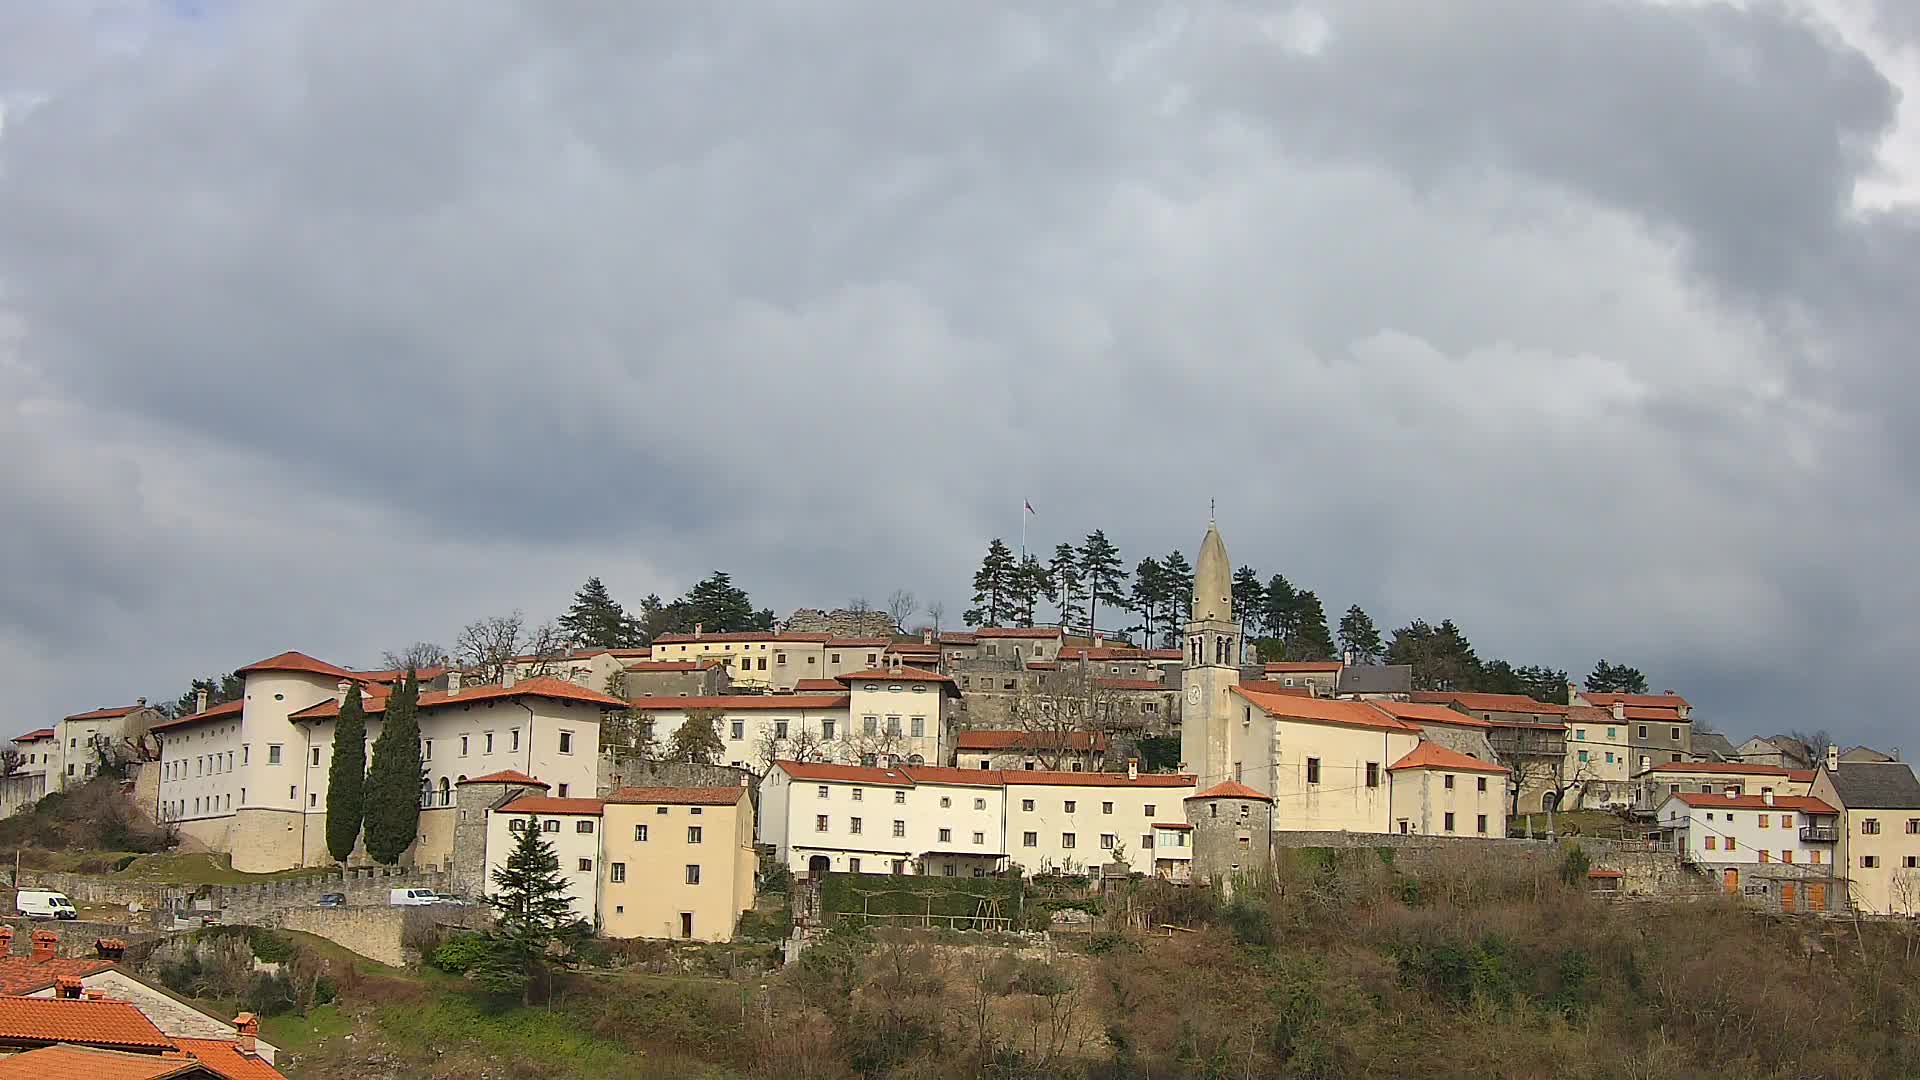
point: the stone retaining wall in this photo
(1296, 838)
(76, 935)
(259, 903)
(377, 933)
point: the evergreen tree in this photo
(1543, 683)
(220, 690)
(1029, 585)
(1616, 679)
(1248, 599)
(394, 782)
(1281, 612)
(1311, 639)
(597, 621)
(993, 587)
(1178, 575)
(697, 739)
(1105, 576)
(1441, 656)
(1360, 637)
(1063, 576)
(531, 913)
(1149, 594)
(347, 778)
(718, 606)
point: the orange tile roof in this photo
(544, 804)
(22, 975)
(37, 733)
(1042, 665)
(1228, 789)
(1165, 654)
(296, 661)
(1130, 684)
(506, 776)
(957, 638)
(92, 1023)
(824, 686)
(540, 686)
(740, 635)
(1420, 712)
(1731, 768)
(1430, 755)
(1656, 701)
(1802, 803)
(1511, 703)
(113, 713)
(913, 647)
(678, 796)
(1001, 739)
(1265, 686)
(867, 643)
(903, 674)
(1095, 779)
(1302, 665)
(1800, 776)
(1177, 824)
(214, 712)
(1604, 874)
(1016, 632)
(68, 1062)
(393, 675)
(1321, 710)
(1101, 652)
(938, 774)
(225, 1058)
(859, 774)
(742, 702)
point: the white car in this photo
(44, 904)
(411, 897)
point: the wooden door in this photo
(1731, 878)
(1816, 896)
(1787, 897)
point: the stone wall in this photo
(94, 889)
(840, 622)
(377, 933)
(1301, 838)
(76, 935)
(634, 772)
(259, 904)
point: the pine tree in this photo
(1103, 573)
(1063, 576)
(1360, 637)
(1178, 576)
(1616, 679)
(718, 606)
(394, 782)
(531, 912)
(347, 778)
(1149, 593)
(597, 621)
(220, 690)
(993, 587)
(1280, 614)
(1029, 585)
(1311, 639)
(1441, 656)
(1249, 597)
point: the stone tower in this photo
(1232, 835)
(1212, 668)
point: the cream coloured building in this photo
(571, 826)
(1877, 849)
(775, 661)
(1077, 822)
(1442, 792)
(677, 862)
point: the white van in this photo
(411, 897)
(44, 904)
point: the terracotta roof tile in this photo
(1321, 710)
(676, 665)
(1016, 632)
(904, 674)
(68, 1062)
(37, 733)
(742, 702)
(1165, 654)
(296, 661)
(1730, 768)
(21, 975)
(92, 1023)
(224, 710)
(1229, 789)
(1181, 825)
(676, 796)
(1429, 755)
(937, 774)
(225, 1058)
(540, 686)
(1094, 779)
(818, 686)
(113, 713)
(1801, 803)
(868, 643)
(858, 774)
(1420, 712)
(1102, 652)
(957, 638)
(506, 776)
(919, 647)
(543, 804)
(1001, 739)
(741, 635)
(1510, 703)
(1656, 701)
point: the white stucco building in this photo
(1721, 828)
(572, 826)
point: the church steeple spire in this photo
(1213, 580)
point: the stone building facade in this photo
(1232, 835)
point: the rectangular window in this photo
(1146, 842)
(426, 750)
(979, 838)
(946, 801)
(693, 878)
(826, 730)
(617, 872)
(315, 757)
(1870, 826)
(820, 823)
(1763, 821)
(693, 834)
(1786, 856)
(464, 739)
(1449, 820)
(1869, 862)
(1313, 770)
(1730, 843)
(853, 826)
(820, 792)
(1026, 805)
(763, 664)
(640, 834)
(1913, 826)
(1107, 840)
(1066, 840)
(899, 828)
(859, 794)
(513, 739)
(1448, 782)
(273, 754)
(1031, 839)
(1149, 808)
(1765, 855)
(488, 737)
(1480, 824)
(979, 804)
(1480, 783)
(1582, 755)
(737, 729)
(583, 826)
(1676, 734)
(1106, 808)
(946, 836)
(1713, 843)
(919, 728)
(246, 752)
(1373, 774)
(870, 725)
(566, 742)
(1070, 804)
(853, 864)
(779, 729)
(586, 866)
(550, 826)
(1911, 862)
(893, 725)
(313, 799)
(899, 798)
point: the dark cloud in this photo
(1554, 319)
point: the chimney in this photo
(246, 1029)
(45, 944)
(1766, 796)
(93, 994)
(1573, 694)
(453, 682)
(200, 701)
(6, 941)
(1733, 792)
(1833, 757)
(699, 631)
(926, 636)
(1133, 768)
(509, 673)
(340, 692)
(1620, 711)
(140, 701)
(67, 986)
(1099, 640)
(110, 948)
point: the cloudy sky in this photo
(1588, 324)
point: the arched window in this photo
(916, 760)
(446, 792)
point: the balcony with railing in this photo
(1819, 834)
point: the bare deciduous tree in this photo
(1816, 742)
(1064, 712)
(485, 647)
(11, 761)
(859, 605)
(420, 654)
(802, 745)
(936, 612)
(900, 607)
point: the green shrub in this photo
(1250, 922)
(1573, 866)
(268, 946)
(459, 953)
(765, 926)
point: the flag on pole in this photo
(1031, 510)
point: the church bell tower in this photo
(1212, 668)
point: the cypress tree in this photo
(347, 778)
(393, 783)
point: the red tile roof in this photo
(741, 635)
(956, 638)
(214, 712)
(37, 733)
(903, 674)
(91, 1023)
(1262, 684)
(1605, 874)
(1095, 779)
(225, 1058)
(868, 643)
(1800, 776)
(506, 776)
(543, 804)
(1731, 768)
(296, 661)
(818, 686)
(906, 775)
(68, 1062)
(1429, 755)
(936, 774)
(676, 665)
(1420, 712)
(541, 687)
(113, 713)
(22, 975)
(1102, 652)
(1000, 739)
(678, 796)
(742, 702)
(858, 774)
(1302, 665)
(1721, 800)
(1511, 703)
(1176, 824)
(1130, 684)
(1321, 710)
(1042, 665)
(1229, 789)
(913, 647)
(1016, 632)
(1165, 654)
(1656, 701)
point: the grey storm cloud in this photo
(332, 327)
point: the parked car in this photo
(332, 899)
(44, 904)
(411, 897)
(454, 901)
